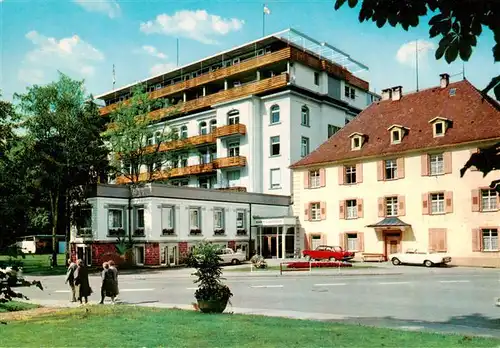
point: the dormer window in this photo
(397, 133)
(439, 126)
(396, 136)
(356, 140)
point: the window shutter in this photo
(425, 204)
(322, 207)
(442, 241)
(342, 210)
(322, 177)
(476, 206)
(448, 198)
(424, 159)
(447, 163)
(437, 239)
(401, 167)
(343, 240)
(381, 210)
(306, 179)
(359, 173)
(473, 168)
(306, 212)
(432, 243)
(341, 175)
(361, 241)
(401, 206)
(359, 203)
(380, 170)
(477, 240)
(307, 242)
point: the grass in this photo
(125, 326)
(15, 306)
(35, 264)
(277, 268)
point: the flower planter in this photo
(212, 306)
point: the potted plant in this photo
(212, 295)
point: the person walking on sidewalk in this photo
(82, 284)
(108, 283)
(70, 278)
(112, 267)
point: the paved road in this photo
(442, 299)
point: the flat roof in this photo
(292, 36)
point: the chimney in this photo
(386, 94)
(445, 80)
(397, 92)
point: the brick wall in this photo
(72, 251)
(152, 257)
(232, 245)
(183, 251)
(103, 252)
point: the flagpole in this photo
(114, 77)
(263, 20)
(177, 52)
(416, 60)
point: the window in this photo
(304, 112)
(203, 128)
(316, 78)
(350, 174)
(437, 203)
(115, 218)
(213, 125)
(158, 137)
(184, 132)
(356, 143)
(351, 209)
(275, 114)
(315, 212)
(233, 149)
(150, 140)
(349, 92)
(205, 182)
(488, 200)
(139, 218)
(314, 180)
(438, 129)
(352, 241)
(84, 222)
(233, 178)
(183, 161)
(167, 218)
(490, 239)
(233, 117)
(391, 206)
(275, 178)
(453, 92)
(275, 146)
(436, 164)
(396, 136)
(332, 130)
(391, 169)
(304, 146)
(240, 220)
(194, 218)
(219, 219)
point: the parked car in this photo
(326, 252)
(416, 257)
(228, 255)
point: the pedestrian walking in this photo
(70, 278)
(112, 267)
(82, 284)
(108, 283)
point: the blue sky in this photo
(84, 38)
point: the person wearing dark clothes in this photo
(82, 284)
(70, 279)
(108, 287)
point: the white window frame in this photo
(150, 139)
(304, 116)
(219, 219)
(437, 203)
(349, 172)
(83, 228)
(490, 241)
(396, 136)
(274, 111)
(351, 209)
(443, 129)
(275, 173)
(391, 206)
(241, 221)
(390, 166)
(192, 224)
(489, 200)
(136, 217)
(233, 117)
(203, 128)
(213, 126)
(332, 129)
(315, 212)
(436, 164)
(316, 78)
(233, 149)
(183, 132)
(356, 143)
(352, 242)
(314, 179)
(168, 217)
(233, 182)
(304, 146)
(275, 140)
(111, 225)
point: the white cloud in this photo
(70, 55)
(153, 51)
(108, 7)
(197, 25)
(407, 52)
(162, 68)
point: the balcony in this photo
(228, 162)
(197, 140)
(172, 173)
(222, 73)
(230, 129)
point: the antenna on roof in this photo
(114, 77)
(463, 70)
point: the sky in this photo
(85, 38)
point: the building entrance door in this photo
(392, 243)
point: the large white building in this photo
(253, 110)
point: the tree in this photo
(485, 160)
(63, 147)
(458, 23)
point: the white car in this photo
(415, 257)
(228, 255)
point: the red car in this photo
(325, 252)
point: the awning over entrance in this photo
(389, 222)
(277, 236)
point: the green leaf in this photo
(476, 27)
(465, 51)
(381, 21)
(496, 90)
(433, 31)
(393, 19)
(451, 53)
(352, 3)
(436, 19)
(496, 52)
(339, 4)
(440, 51)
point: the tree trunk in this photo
(68, 226)
(54, 206)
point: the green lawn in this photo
(14, 306)
(124, 326)
(39, 264)
(277, 268)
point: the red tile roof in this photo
(473, 118)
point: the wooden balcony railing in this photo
(229, 94)
(196, 140)
(172, 173)
(230, 129)
(227, 162)
(219, 74)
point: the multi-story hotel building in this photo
(251, 111)
(390, 180)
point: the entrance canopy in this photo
(390, 222)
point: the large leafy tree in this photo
(62, 146)
(457, 23)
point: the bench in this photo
(373, 257)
